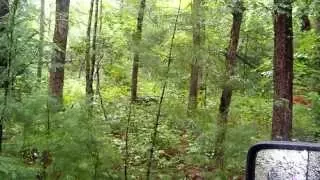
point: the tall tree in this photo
(99, 62)
(60, 38)
(42, 24)
(195, 68)
(137, 39)
(225, 101)
(282, 70)
(94, 42)
(89, 88)
(203, 70)
(4, 10)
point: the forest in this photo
(153, 89)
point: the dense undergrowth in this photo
(83, 147)
(75, 144)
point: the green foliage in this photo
(12, 168)
(86, 145)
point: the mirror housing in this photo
(274, 145)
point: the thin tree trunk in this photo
(60, 38)
(195, 68)
(203, 73)
(11, 48)
(136, 58)
(158, 115)
(226, 96)
(126, 157)
(100, 17)
(283, 71)
(42, 23)
(99, 92)
(94, 45)
(89, 82)
(99, 64)
(9, 56)
(4, 10)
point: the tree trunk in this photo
(42, 23)
(203, 71)
(226, 96)
(89, 79)
(195, 68)
(60, 38)
(94, 44)
(100, 17)
(136, 58)
(4, 10)
(99, 63)
(154, 135)
(283, 71)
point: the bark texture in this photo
(196, 55)
(4, 10)
(60, 38)
(89, 80)
(283, 71)
(226, 96)
(136, 58)
(94, 43)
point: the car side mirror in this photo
(279, 160)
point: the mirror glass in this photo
(282, 164)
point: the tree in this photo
(137, 39)
(42, 23)
(94, 42)
(4, 10)
(89, 80)
(282, 71)
(195, 68)
(157, 122)
(225, 101)
(60, 37)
